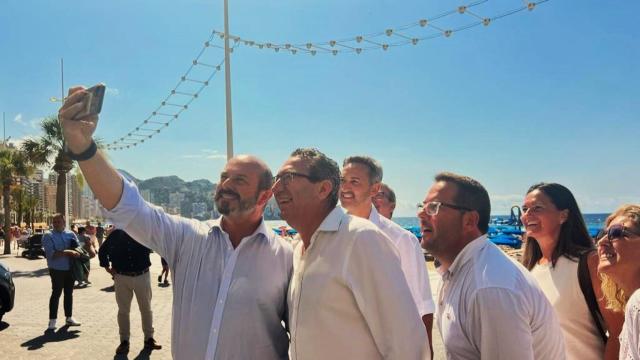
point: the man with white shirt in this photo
(361, 180)
(348, 298)
(489, 306)
(230, 275)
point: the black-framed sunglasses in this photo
(288, 176)
(432, 208)
(618, 231)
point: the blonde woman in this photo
(619, 267)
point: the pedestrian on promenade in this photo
(128, 262)
(58, 245)
(165, 272)
(230, 274)
(360, 182)
(385, 201)
(561, 256)
(489, 306)
(619, 251)
(348, 297)
(99, 234)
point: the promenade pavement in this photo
(22, 331)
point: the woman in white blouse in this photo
(558, 252)
(619, 255)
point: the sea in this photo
(593, 221)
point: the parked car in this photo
(7, 290)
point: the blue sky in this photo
(546, 95)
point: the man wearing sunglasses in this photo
(489, 306)
(230, 274)
(347, 298)
(361, 180)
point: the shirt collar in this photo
(374, 216)
(468, 252)
(333, 220)
(261, 229)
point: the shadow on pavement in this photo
(31, 274)
(3, 325)
(108, 289)
(144, 354)
(51, 336)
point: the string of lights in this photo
(179, 99)
(409, 34)
(176, 102)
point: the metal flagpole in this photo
(227, 78)
(66, 183)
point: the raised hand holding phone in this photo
(78, 118)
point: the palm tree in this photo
(48, 147)
(13, 164)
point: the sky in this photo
(545, 95)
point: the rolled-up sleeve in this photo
(148, 224)
(373, 272)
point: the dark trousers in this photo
(61, 280)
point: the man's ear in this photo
(325, 189)
(264, 197)
(470, 220)
(375, 188)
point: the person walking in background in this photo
(360, 181)
(165, 272)
(348, 297)
(99, 234)
(619, 266)
(561, 256)
(489, 306)
(128, 262)
(90, 245)
(385, 201)
(58, 245)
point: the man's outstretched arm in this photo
(103, 179)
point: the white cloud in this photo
(207, 154)
(18, 119)
(35, 123)
(112, 91)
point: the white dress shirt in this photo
(411, 259)
(227, 303)
(490, 307)
(348, 298)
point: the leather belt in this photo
(132, 273)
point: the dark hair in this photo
(321, 167)
(574, 238)
(391, 195)
(470, 194)
(265, 181)
(81, 229)
(374, 168)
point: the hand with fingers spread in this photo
(77, 131)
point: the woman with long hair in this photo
(619, 267)
(561, 256)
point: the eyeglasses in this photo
(616, 232)
(433, 207)
(289, 176)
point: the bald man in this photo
(230, 275)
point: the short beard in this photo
(244, 205)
